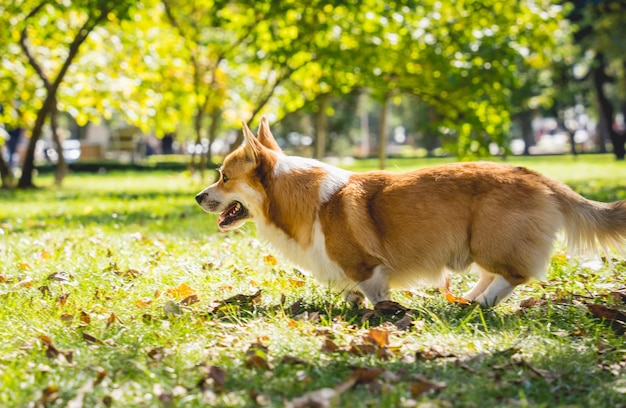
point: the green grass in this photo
(92, 312)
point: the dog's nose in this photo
(200, 197)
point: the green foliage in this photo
(118, 291)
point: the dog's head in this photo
(239, 195)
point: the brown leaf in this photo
(61, 300)
(616, 318)
(377, 337)
(390, 308)
(432, 353)
(85, 318)
(421, 385)
(90, 339)
(5, 278)
(618, 295)
(256, 356)
(190, 300)
(61, 277)
(67, 318)
(157, 353)
(51, 352)
(293, 360)
(362, 349)
(366, 375)
(214, 379)
(218, 375)
(329, 346)
(529, 302)
(111, 319)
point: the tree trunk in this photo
(26, 179)
(61, 168)
(606, 110)
(321, 126)
(215, 121)
(525, 122)
(382, 133)
(5, 173)
(365, 128)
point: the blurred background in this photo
(97, 84)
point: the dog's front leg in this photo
(376, 287)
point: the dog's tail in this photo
(589, 224)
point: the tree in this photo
(79, 20)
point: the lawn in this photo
(117, 290)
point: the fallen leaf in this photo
(529, 302)
(390, 308)
(256, 356)
(61, 277)
(270, 260)
(143, 302)
(181, 291)
(432, 353)
(329, 346)
(617, 295)
(190, 300)
(421, 385)
(62, 299)
(366, 375)
(90, 339)
(85, 319)
(615, 317)
(378, 337)
(5, 279)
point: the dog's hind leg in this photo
(484, 280)
(498, 290)
(376, 288)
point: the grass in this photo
(116, 290)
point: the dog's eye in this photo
(224, 178)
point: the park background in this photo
(117, 290)
(120, 80)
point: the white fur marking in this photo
(334, 180)
(376, 288)
(313, 259)
(496, 292)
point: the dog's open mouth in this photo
(234, 212)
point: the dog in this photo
(368, 232)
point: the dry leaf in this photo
(256, 356)
(190, 300)
(143, 302)
(366, 375)
(390, 308)
(270, 260)
(329, 346)
(85, 318)
(91, 339)
(529, 302)
(378, 337)
(61, 277)
(62, 299)
(182, 291)
(421, 385)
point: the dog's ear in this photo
(251, 145)
(265, 135)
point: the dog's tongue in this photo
(223, 216)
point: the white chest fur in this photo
(313, 259)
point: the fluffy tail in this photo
(591, 224)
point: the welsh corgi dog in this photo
(365, 233)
